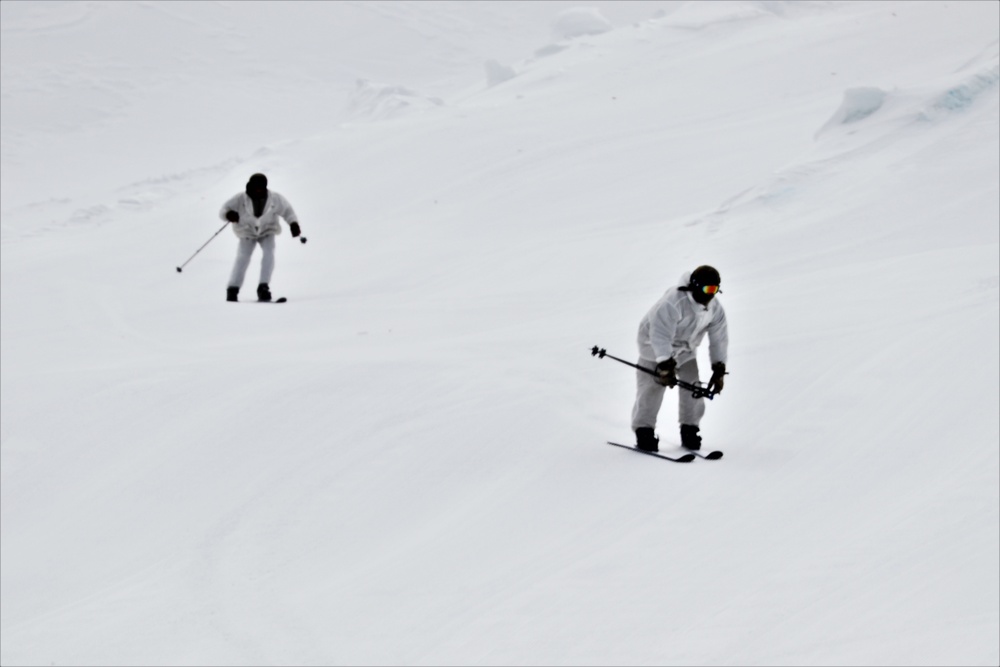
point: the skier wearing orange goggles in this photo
(669, 336)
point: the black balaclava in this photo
(703, 275)
(257, 189)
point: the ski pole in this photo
(696, 391)
(203, 247)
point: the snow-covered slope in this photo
(404, 465)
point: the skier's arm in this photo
(662, 327)
(718, 338)
(288, 213)
(285, 210)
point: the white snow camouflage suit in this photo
(252, 230)
(674, 327)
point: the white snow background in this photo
(405, 463)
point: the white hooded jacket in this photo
(676, 325)
(252, 227)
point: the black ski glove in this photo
(296, 230)
(718, 378)
(666, 372)
(232, 216)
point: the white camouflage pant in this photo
(649, 397)
(243, 253)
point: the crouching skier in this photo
(255, 216)
(669, 336)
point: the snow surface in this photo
(404, 465)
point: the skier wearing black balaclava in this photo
(669, 336)
(255, 216)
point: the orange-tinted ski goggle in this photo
(710, 289)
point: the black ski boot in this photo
(231, 293)
(690, 438)
(263, 292)
(646, 440)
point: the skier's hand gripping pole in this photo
(696, 390)
(296, 231)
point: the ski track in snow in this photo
(404, 465)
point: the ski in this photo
(711, 456)
(686, 458)
(278, 300)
